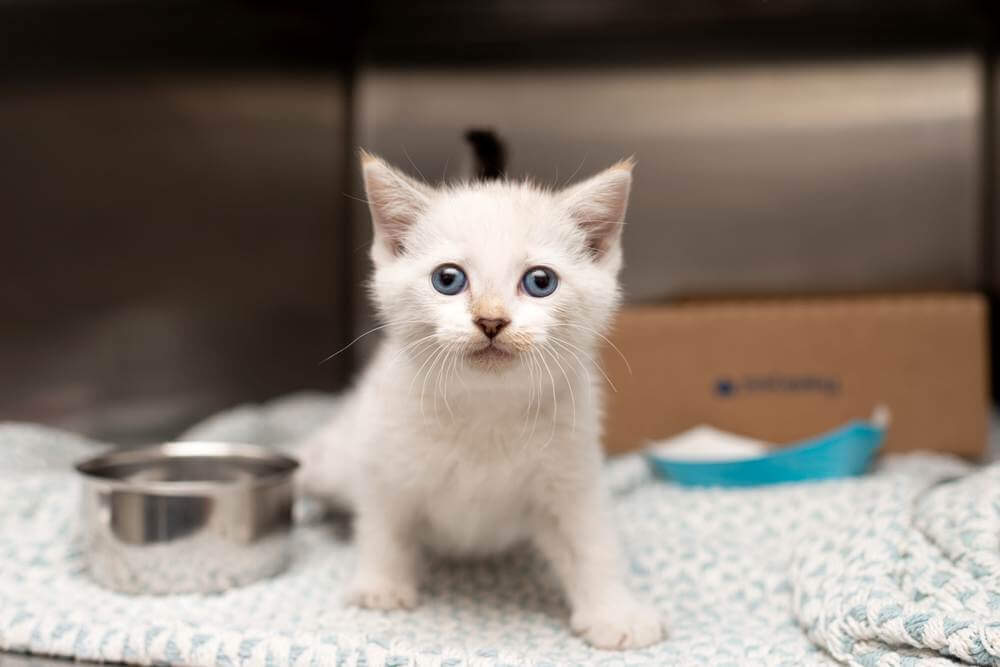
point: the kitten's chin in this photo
(491, 357)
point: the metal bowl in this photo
(187, 517)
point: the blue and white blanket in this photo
(897, 568)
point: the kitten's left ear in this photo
(598, 205)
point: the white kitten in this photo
(477, 424)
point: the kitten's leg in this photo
(388, 559)
(577, 538)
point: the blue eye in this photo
(540, 281)
(448, 279)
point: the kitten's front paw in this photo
(623, 624)
(377, 593)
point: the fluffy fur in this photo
(463, 446)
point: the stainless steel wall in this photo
(991, 199)
(763, 178)
(172, 246)
(175, 245)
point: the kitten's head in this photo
(498, 274)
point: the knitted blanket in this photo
(914, 577)
(888, 569)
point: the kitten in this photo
(477, 424)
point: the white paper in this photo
(707, 443)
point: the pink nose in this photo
(491, 326)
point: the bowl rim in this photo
(91, 467)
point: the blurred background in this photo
(178, 180)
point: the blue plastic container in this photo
(843, 452)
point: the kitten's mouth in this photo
(491, 353)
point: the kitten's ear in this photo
(598, 205)
(394, 199)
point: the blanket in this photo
(899, 567)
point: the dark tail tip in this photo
(491, 157)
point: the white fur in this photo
(468, 456)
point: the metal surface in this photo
(757, 178)
(172, 247)
(186, 517)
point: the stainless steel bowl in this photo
(187, 517)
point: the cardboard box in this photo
(786, 370)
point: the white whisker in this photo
(586, 378)
(411, 347)
(569, 385)
(413, 164)
(363, 201)
(423, 385)
(577, 170)
(597, 365)
(370, 331)
(443, 375)
(430, 355)
(602, 337)
(538, 399)
(531, 393)
(458, 367)
(555, 401)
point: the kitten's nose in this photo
(491, 326)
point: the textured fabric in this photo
(734, 573)
(914, 575)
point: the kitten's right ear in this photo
(598, 206)
(395, 200)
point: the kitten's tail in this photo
(489, 153)
(326, 463)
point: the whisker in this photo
(416, 375)
(363, 201)
(437, 381)
(601, 222)
(444, 172)
(413, 164)
(555, 402)
(458, 366)
(412, 347)
(443, 374)
(569, 385)
(590, 358)
(538, 401)
(454, 370)
(439, 376)
(531, 394)
(577, 170)
(586, 378)
(370, 331)
(603, 337)
(423, 386)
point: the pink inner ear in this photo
(598, 244)
(395, 200)
(598, 205)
